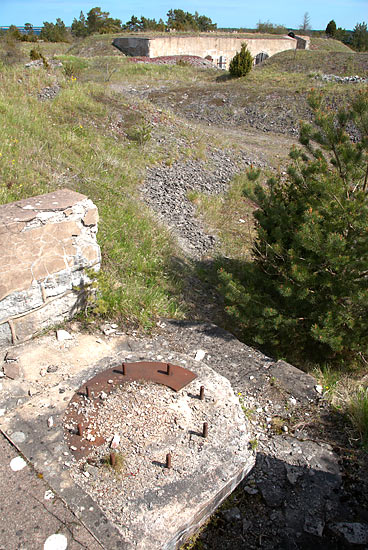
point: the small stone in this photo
(115, 441)
(103, 395)
(354, 533)
(2, 412)
(12, 371)
(232, 515)
(18, 464)
(285, 429)
(43, 372)
(49, 495)
(63, 335)
(114, 325)
(10, 357)
(72, 448)
(292, 401)
(50, 422)
(200, 355)
(319, 389)
(250, 490)
(52, 368)
(56, 542)
(86, 474)
(18, 437)
(241, 220)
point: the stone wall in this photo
(46, 244)
(219, 48)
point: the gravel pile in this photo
(166, 189)
(343, 79)
(50, 92)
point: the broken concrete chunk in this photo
(200, 355)
(12, 371)
(63, 335)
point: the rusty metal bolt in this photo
(80, 430)
(123, 368)
(168, 460)
(88, 392)
(168, 372)
(201, 393)
(113, 459)
(205, 429)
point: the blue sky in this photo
(234, 13)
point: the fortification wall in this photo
(220, 48)
(46, 244)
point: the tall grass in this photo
(357, 409)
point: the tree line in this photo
(97, 21)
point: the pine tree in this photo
(241, 64)
(331, 29)
(306, 293)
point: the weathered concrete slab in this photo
(156, 516)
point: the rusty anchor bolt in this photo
(113, 459)
(123, 368)
(168, 460)
(168, 371)
(201, 393)
(88, 392)
(205, 429)
(79, 430)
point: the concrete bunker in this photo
(220, 48)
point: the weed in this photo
(357, 409)
(141, 133)
(120, 463)
(253, 444)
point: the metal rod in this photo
(113, 459)
(123, 368)
(205, 429)
(88, 392)
(168, 372)
(168, 460)
(79, 430)
(201, 393)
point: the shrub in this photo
(306, 293)
(10, 52)
(35, 54)
(241, 64)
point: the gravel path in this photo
(166, 191)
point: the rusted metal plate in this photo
(173, 376)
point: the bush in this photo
(306, 293)
(10, 52)
(35, 54)
(241, 64)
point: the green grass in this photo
(358, 413)
(73, 142)
(328, 45)
(343, 63)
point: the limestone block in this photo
(91, 218)
(19, 302)
(45, 244)
(52, 313)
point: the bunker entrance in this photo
(260, 57)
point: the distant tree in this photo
(54, 32)
(360, 37)
(241, 64)
(98, 21)
(331, 29)
(204, 23)
(270, 28)
(306, 24)
(133, 24)
(180, 20)
(14, 33)
(79, 26)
